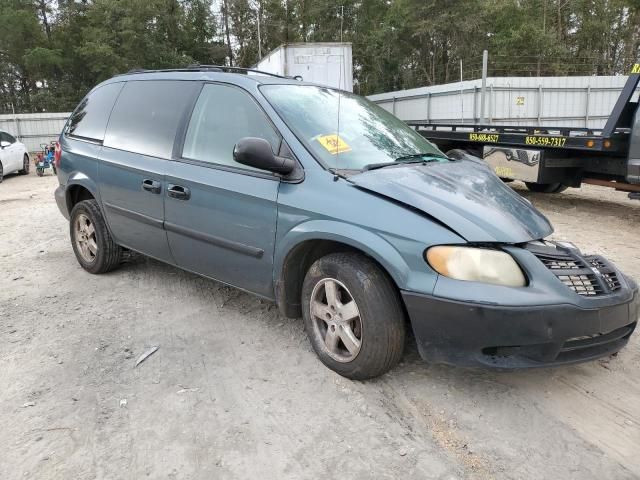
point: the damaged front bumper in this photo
(575, 308)
(470, 334)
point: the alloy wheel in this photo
(336, 320)
(85, 234)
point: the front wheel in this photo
(91, 240)
(546, 187)
(353, 315)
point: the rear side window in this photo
(89, 120)
(146, 116)
(222, 116)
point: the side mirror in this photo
(257, 153)
(4, 144)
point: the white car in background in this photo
(13, 156)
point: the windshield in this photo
(368, 135)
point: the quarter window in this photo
(89, 120)
(222, 116)
(147, 114)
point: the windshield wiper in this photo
(406, 159)
(375, 166)
(419, 155)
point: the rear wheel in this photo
(353, 316)
(92, 243)
(546, 187)
(25, 165)
(1, 172)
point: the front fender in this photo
(375, 245)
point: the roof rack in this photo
(210, 68)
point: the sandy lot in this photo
(235, 391)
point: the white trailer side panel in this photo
(273, 62)
(328, 64)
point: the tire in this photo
(25, 166)
(39, 172)
(379, 325)
(546, 187)
(1, 172)
(93, 245)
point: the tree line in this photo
(53, 51)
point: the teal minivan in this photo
(329, 206)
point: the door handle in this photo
(151, 186)
(179, 192)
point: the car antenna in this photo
(336, 175)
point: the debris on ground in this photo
(123, 402)
(186, 389)
(29, 404)
(146, 355)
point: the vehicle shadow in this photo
(12, 177)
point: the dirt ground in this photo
(235, 391)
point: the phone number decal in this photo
(484, 137)
(546, 141)
(505, 172)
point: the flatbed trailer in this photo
(550, 159)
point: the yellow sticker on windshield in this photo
(334, 144)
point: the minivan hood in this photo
(462, 194)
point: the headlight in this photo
(476, 265)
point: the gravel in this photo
(235, 390)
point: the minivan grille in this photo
(588, 276)
(558, 263)
(608, 273)
(582, 284)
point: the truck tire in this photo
(353, 315)
(91, 240)
(546, 187)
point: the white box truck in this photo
(323, 63)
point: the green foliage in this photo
(53, 51)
